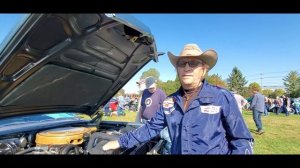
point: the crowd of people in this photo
(117, 106)
(282, 104)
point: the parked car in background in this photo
(131, 105)
(57, 71)
(113, 104)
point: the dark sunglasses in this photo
(192, 63)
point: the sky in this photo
(264, 47)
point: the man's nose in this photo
(187, 67)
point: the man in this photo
(296, 104)
(121, 103)
(201, 118)
(152, 99)
(285, 105)
(241, 101)
(267, 106)
(257, 106)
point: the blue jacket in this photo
(258, 102)
(212, 124)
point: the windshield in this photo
(9, 24)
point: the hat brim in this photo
(210, 57)
(151, 86)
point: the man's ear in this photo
(204, 68)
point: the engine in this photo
(70, 141)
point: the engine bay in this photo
(76, 140)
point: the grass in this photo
(282, 134)
(129, 117)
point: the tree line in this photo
(236, 81)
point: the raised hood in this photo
(71, 61)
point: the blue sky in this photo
(255, 43)
(267, 44)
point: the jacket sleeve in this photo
(244, 101)
(162, 97)
(253, 102)
(145, 133)
(239, 138)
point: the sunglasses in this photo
(192, 63)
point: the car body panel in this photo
(71, 60)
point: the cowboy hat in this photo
(210, 57)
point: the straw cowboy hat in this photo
(210, 57)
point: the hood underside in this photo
(71, 60)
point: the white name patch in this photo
(210, 109)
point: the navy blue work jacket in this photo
(212, 124)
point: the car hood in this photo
(71, 62)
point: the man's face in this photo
(190, 72)
(152, 89)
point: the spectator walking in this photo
(258, 106)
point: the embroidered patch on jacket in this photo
(168, 102)
(168, 105)
(210, 109)
(148, 102)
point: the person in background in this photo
(258, 106)
(241, 101)
(121, 104)
(152, 99)
(277, 103)
(296, 104)
(106, 109)
(201, 118)
(266, 111)
(285, 105)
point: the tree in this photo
(254, 86)
(177, 82)
(277, 92)
(168, 87)
(236, 80)
(216, 79)
(121, 92)
(292, 83)
(247, 92)
(151, 72)
(267, 92)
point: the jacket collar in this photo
(205, 95)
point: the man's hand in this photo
(111, 145)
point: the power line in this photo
(272, 72)
(266, 77)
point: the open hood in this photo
(71, 61)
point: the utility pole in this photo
(261, 74)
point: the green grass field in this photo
(282, 134)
